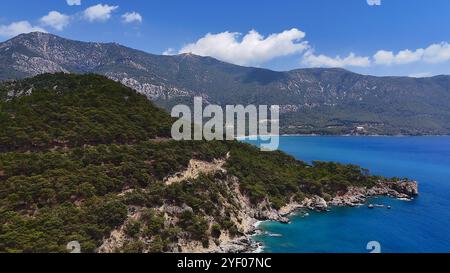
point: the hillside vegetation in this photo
(83, 157)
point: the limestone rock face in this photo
(315, 203)
(410, 188)
(320, 204)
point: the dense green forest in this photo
(80, 153)
(67, 110)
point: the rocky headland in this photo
(403, 190)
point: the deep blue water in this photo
(422, 225)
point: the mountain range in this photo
(312, 101)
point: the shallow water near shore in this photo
(421, 225)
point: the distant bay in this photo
(421, 225)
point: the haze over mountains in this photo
(324, 101)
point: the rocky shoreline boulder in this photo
(410, 188)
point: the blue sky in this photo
(388, 37)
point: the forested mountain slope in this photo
(83, 158)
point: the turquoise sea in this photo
(422, 225)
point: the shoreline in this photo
(260, 231)
(341, 135)
(250, 217)
(405, 191)
(350, 135)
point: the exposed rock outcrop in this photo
(249, 215)
(410, 188)
(315, 202)
(197, 167)
(245, 215)
(356, 196)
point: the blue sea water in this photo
(419, 226)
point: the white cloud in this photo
(169, 51)
(251, 49)
(325, 61)
(73, 2)
(408, 56)
(131, 17)
(384, 57)
(17, 28)
(55, 20)
(435, 53)
(255, 49)
(421, 75)
(402, 57)
(374, 2)
(99, 12)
